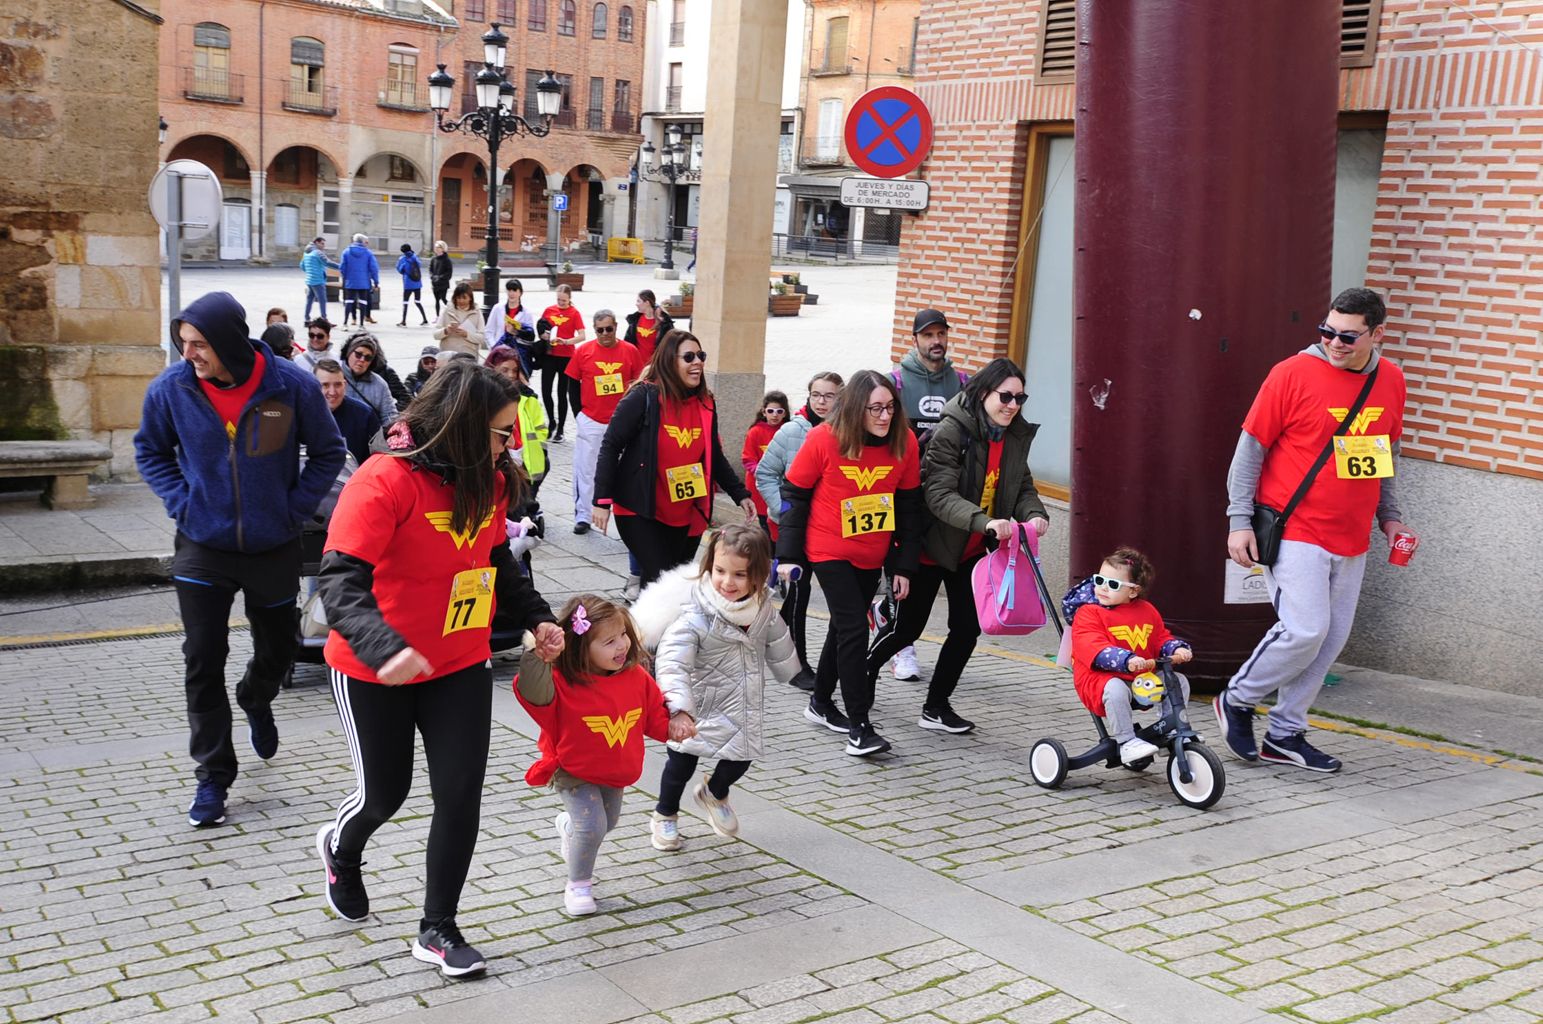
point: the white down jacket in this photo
(714, 669)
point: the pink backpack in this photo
(1006, 598)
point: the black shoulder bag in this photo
(1269, 523)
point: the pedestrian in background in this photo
(219, 443)
(647, 324)
(824, 389)
(356, 421)
(604, 367)
(318, 344)
(411, 270)
(363, 383)
(510, 323)
(315, 263)
(565, 325)
(361, 275)
(530, 437)
(770, 415)
(441, 270)
(459, 327)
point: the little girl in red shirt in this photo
(1116, 636)
(594, 703)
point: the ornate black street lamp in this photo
(672, 168)
(494, 120)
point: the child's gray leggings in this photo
(1117, 716)
(592, 812)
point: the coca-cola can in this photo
(1403, 548)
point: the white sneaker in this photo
(719, 814)
(579, 898)
(664, 833)
(560, 824)
(631, 590)
(1135, 749)
(903, 665)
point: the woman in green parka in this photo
(976, 481)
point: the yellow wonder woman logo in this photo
(441, 522)
(614, 730)
(865, 478)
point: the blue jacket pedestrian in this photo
(236, 485)
(359, 269)
(315, 264)
(405, 265)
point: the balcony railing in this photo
(398, 95)
(212, 85)
(672, 98)
(624, 121)
(323, 102)
(566, 118)
(677, 33)
(594, 119)
(833, 64)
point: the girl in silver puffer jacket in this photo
(722, 635)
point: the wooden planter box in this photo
(784, 305)
(679, 306)
(574, 281)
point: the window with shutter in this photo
(1358, 32)
(1057, 42)
(827, 145)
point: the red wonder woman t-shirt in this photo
(603, 375)
(1298, 408)
(852, 516)
(566, 325)
(434, 586)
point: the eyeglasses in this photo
(887, 409)
(691, 357)
(605, 330)
(1008, 398)
(505, 435)
(823, 396)
(1110, 582)
(1328, 333)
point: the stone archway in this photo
(302, 200)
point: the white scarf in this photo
(741, 613)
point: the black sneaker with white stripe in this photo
(1296, 751)
(443, 945)
(943, 719)
(863, 741)
(827, 714)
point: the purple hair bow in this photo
(579, 621)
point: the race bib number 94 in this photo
(608, 384)
(868, 513)
(1363, 458)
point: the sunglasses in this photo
(605, 330)
(1114, 585)
(775, 410)
(691, 357)
(506, 435)
(1008, 398)
(1328, 333)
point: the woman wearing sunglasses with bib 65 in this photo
(661, 460)
(976, 481)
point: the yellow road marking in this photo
(97, 634)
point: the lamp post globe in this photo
(549, 96)
(495, 46)
(441, 85)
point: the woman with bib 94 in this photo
(852, 505)
(661, 459)
(415, 556)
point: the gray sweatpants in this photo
(592, 812)
(1119, 721)
(1315, 595)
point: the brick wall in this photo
(1455, 243)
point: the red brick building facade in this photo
(315, 115)
(1452, 97)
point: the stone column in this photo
(739, 181)
(614, 220)
(345, 212)
(554, 236)
(259, 214)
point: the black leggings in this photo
(441, 291)
(454, 713)
(657, 546)
(552, 368)
(795, 612)
(848, 592)
(678, 769)
(907, 624)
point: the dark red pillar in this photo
(1205, 181)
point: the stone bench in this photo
(66, 465)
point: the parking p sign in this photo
(560, 201)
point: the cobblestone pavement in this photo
(936, 885)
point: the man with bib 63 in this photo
(1320, 444)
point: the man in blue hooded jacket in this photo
(219, 443)
(361, 275)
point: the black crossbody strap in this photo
(1323, 456)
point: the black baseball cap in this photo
(928, 318)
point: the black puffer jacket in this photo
(629, 455)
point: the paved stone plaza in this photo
(934, 886)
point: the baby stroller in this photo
(1195, 774)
